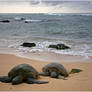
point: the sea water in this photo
(74, 30)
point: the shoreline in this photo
(50, 57)
(75, 82)
(46, 56)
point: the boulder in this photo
(59, 46)
(52, 46)
(26, 44)
(62, 46)
(5, 21)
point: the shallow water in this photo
(74, 30)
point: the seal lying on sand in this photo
(22, 73)
(56, 70)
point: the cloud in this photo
(45, 6)
(64, 6)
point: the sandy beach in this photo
(75, 82)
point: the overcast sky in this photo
(45, 6)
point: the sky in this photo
(45, 6)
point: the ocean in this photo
(74, 30)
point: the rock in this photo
(62, 46)
(52, 46)
(59, 46)
(26, 44)
(75, 71)
(5, 21)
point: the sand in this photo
(75, 82)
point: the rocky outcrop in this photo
(5, 21)
(59, 46)
(26, 44)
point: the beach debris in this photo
(5, 21)
(26, 44)
(75, 71)
(22, 73)
(59, 46)
(55, 70)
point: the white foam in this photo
(60, 14)
(22, 49)
(16, 44)
(29, 20)
(80, 50)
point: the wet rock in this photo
(5, 21)
(52, 46)
(26, 44)
(59, 46)
(62, 46)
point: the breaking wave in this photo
(80, 50)
(69, 14)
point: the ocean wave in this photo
(31, 20)
(76, 50)
(69, 14)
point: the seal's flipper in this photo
(17, 80)
(5, 79)
(43, 74)
(34, 81)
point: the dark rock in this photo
(62, 46)
(59, 46)
(26, 44)
(75, 71)
(52, 46)
(5, 21)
